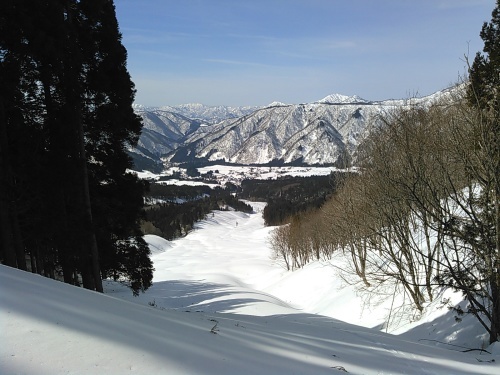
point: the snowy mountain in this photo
(205, 114)
(162, 132)
(342, 99)
(291, 133)
(326, 132)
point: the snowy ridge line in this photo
(325, 132)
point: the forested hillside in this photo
(66, 118)
(173, 210)
(288, 196)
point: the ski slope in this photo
(221, 305)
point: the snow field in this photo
(220, 305)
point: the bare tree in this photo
(280, 244)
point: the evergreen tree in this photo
(484, 74)
(110, 126)
(66, 101)
(18, 97)
(484, 94)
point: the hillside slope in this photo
(212, 310)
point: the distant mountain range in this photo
(326, 132)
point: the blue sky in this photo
(254, 52)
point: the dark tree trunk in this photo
(10, 236)
(495, 309)
(89, 255)
(18, 240)
(90, 233)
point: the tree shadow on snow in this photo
(209, 343)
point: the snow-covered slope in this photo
(162, 130)
(219, 305)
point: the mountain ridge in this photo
(324, 132)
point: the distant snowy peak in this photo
(342, 99)
(276, 104)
